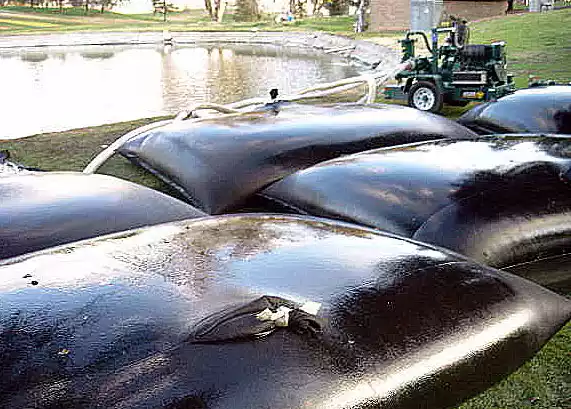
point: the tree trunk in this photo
(102, 6)
(317, 5)
(86, 6)
(208, 6)
(60, 4)
(216, 9)
(221, 10)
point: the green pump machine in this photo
(455, 73)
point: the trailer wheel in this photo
(424, 96)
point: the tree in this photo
(339, 7)
(215, 9)
(161, 6)
(106, 3)
(247, 10)
(360, 23)
(297, 7)
(317, 6)
(208, 5)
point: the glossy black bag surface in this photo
(501, 200)
(163, 318)
(43, 210)
(532, 110)
(217, 163)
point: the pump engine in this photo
(454, 73)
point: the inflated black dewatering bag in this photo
(501, 200)
(43, 210)
(262, 312)
(216, 163)
(532, 110)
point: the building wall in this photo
(390, 15)
(396, 14)
(475, 10)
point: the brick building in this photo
(397, 14)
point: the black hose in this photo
(423, 36)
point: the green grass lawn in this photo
(25, 20)
(544, 382)
(537, 44)
(73, 150)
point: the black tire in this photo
(424, 96)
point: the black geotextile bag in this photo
(503, 200)
(262, 311)
(47, 209)
(532, 110)
(216, 163)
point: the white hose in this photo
(111, 149)
(340, 49)
(190, 112)
(104, 155)
(317, 91)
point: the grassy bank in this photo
(24, 20)
(73, 150)
(537, 43)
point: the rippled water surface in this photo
(58, 88)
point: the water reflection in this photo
(34, 56)
(97, 54)
(61, 88)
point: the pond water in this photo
(59, 88)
